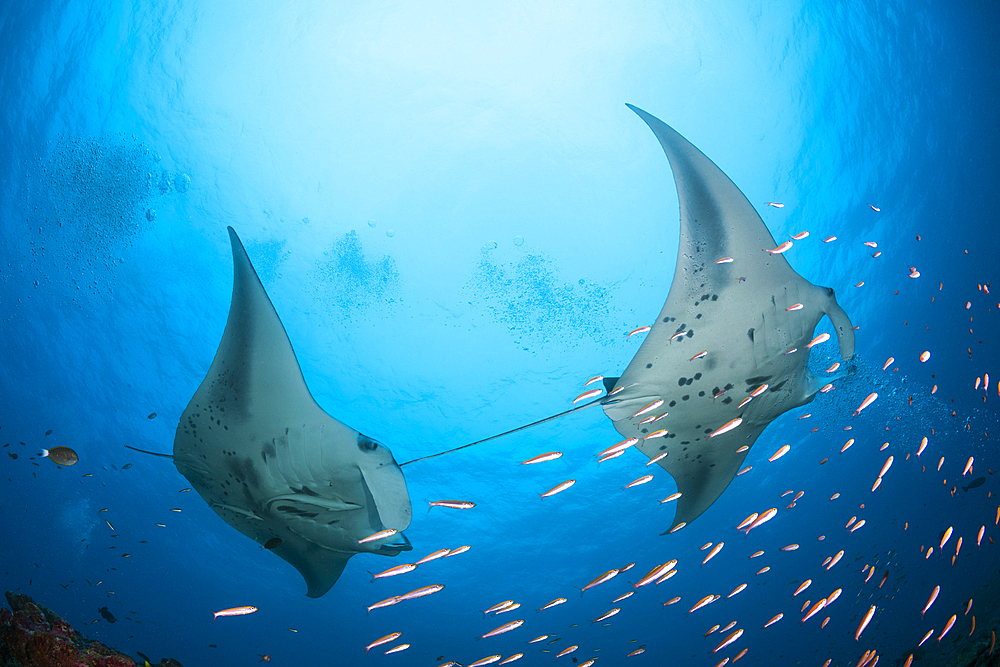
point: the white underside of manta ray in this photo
(261, 452)
(735, 311)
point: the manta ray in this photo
(729, 351)
(753, 317)
(272, 463)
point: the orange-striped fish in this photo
(607, 576)
(815, 610)
(930, 600)
(453, 504)
(606, 615)
(704, 602)
(865, 403)
(638, 330)
(672, 601)
(440, 553)
(763, 518)
(724, 260)
(234, 611)
(947, 627)
(397, 649)
(619, 446)
(612, 455)
(775, 204)
(498, 606)
(800, 236)
(513, 658)
(829, 239)
(711, 554)
(513, 625)
(885, 467)
(968, 466)
(456, 551)
(393, 571)
(728, 640)
(558, 488)
(516, 605)
(587, 394)
(822, 338)
(778, 454)
(485, 661)
(725, 428)
(554, 603)
(542, 458)
(774, 620)
(388, 602)
(736, 591)
(649, 407)
(383, 640)
(864, 623)
(784, 247)
(655, 574)
(380, 535)
(567, 651)
(656, 459)
(641, 480)
(421, 592)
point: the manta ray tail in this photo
(144, 451)
(609, 383)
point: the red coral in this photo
(32, 635)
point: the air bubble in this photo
(390, 233)
(518, 240)
(371, 223)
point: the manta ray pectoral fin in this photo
(321, 568)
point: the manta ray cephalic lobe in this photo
(736, 311)
(272, 463)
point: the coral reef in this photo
(31, 635)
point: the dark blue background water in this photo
(458, 220)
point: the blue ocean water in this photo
(458, 221)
